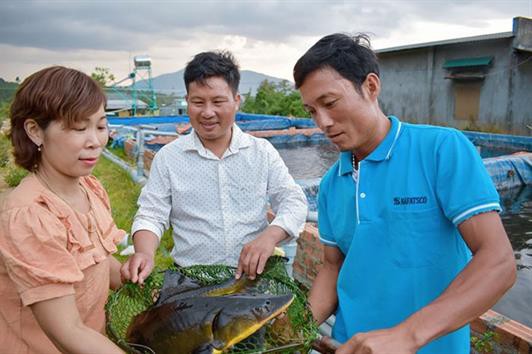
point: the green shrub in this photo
(5, 151)
(484, 343)
(14, 175)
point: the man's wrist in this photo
(414, 329)
(277, 233)
(150, 255)
(145, 242)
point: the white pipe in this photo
(123, 165)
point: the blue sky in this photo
(266, 36)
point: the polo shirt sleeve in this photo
(324, 225)
(464, 187)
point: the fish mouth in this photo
(282, 301)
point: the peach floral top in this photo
(49, 250)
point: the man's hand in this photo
(254, 254)
(137, 267)
(394, 340)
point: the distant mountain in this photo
(173, 83)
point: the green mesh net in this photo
(292, 333)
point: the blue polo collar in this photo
(382, 152)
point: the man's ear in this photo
(34, 131)
(238, 100)
(372, 86)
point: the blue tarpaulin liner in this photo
(510, 171)
(264, 124)
(167, 127)
(303, 123)
(147, 120)
(511, 142)
(253, 116)
(310, 186)
(246, 121)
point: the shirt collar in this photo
(239, 140)
(382, 152)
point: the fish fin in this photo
(175, 283)
(210, 348)
(204, 349)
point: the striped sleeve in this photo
(464, 187)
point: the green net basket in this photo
(292, 333)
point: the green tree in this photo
(103, 75)
(276, 99)
(4, 111)
(7, 90)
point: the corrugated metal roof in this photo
(483, 37)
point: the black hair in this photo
(210, 64)
(350, 56)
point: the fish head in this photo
(245, 314)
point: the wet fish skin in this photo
(178, 286)
(175, 283)
(200, 324)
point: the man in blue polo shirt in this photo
(414, 247)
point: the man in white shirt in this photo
(213, 185)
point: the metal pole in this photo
(140, 152)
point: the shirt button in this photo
(362, 195)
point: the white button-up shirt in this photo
(216, 205)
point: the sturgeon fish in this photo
(204, 325)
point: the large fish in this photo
(202, 325)
(178, 286)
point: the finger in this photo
(134, 269)
(252, 266)
(262, 263)
(146, 270)
(124, 271)
(238, 273)
(240, 266)
(248, 257)
(140, 268)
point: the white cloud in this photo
(266, 36)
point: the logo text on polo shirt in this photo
(409, 200)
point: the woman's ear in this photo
(34, 131)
